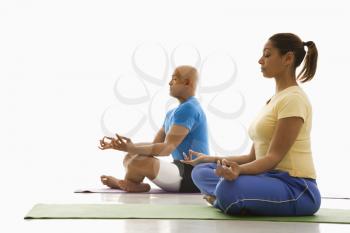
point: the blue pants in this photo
(273, 193)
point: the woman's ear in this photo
(288, 58)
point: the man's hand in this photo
(228, 170)
(120, 143)
(106, 143)
(200, 158)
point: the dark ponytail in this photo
(288, 42)
(310, 63)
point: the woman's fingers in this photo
(229, 163)
(222, 169)
(218, 171)
(224, 162)
(218, 168)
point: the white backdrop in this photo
(60, 60)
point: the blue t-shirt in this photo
(189, 114)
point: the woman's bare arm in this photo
(286, 132)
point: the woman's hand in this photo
(228, 170)
(201, 158)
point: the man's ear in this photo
(187, 82)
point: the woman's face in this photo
(272, 63)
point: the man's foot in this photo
(133, 187)
(125, 185)
(111, 182)
(209, 199)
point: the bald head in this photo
(183, 82)
(187, 73)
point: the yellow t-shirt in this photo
(289, 102)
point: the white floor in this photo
(152, 226)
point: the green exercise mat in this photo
(147, 211)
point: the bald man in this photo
(184, 128)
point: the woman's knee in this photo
(224, 190)
(309, 203)
(230, 194)
(232, 187)
(226, 196)
(199, 172)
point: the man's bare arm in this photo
(160, 136)
(174, 137)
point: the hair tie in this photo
(304, 43)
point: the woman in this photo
(278, 176)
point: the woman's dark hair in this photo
(288, 42)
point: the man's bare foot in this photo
(111, 182)
(125, 185)
(133, 187)
(209, 199)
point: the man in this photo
(184, 128)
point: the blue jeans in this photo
(273, 193)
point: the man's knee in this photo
(128, 158)
(136, 161)
(143, 165)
